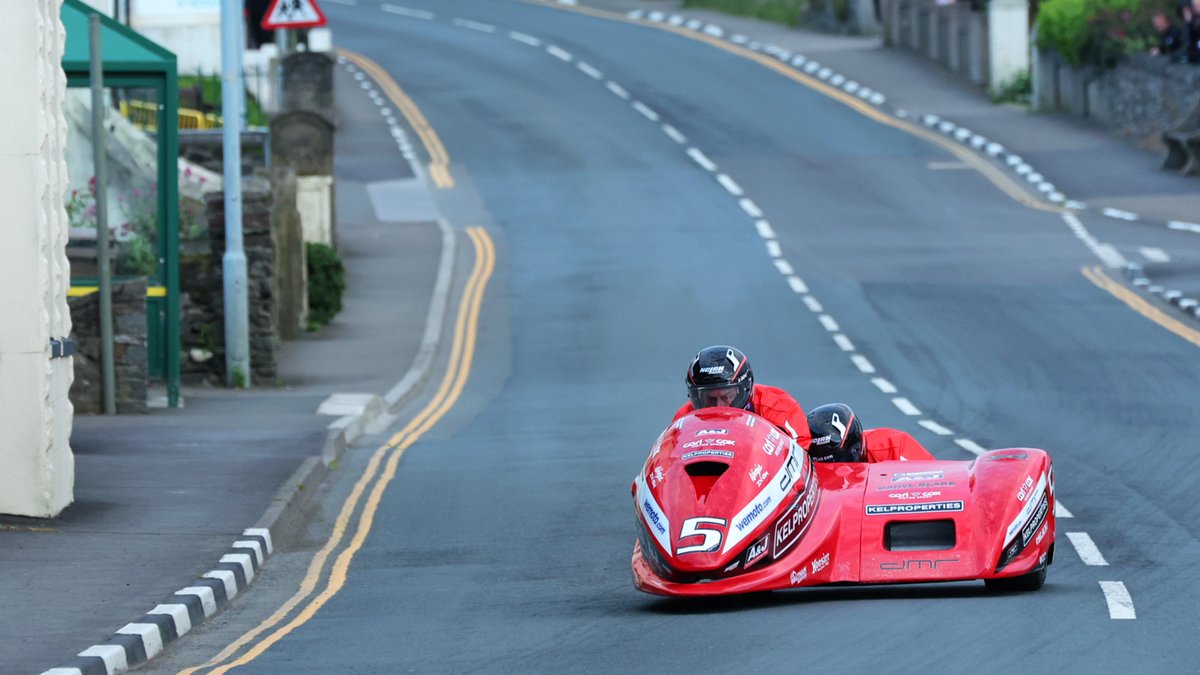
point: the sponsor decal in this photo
(707, 453)
(798, 576)
(732, 567)
(1026, 513)
(656, 476)
(923, 507)
(1050, 477)
(701, 526)
(820, 563)
(712, 432)
(757, 550)
(653, 517)
(1042, 533)
(1039, 515)
(773, 442)
(921, 485)
(820, 440)
(1007, 457)
(750, 518)
(796, 520)
(917, 475)
(928, 494)
(749, 420)
(1024, 491)
(917, 564)
(758, 475)
(710, 443)
(713, 370)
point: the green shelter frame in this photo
(132, 61)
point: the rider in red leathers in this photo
(721, 376)
(838, 436)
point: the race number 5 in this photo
(694, 527)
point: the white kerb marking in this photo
(935, 427)
(1155, 254)
(112, 655)
(699, 158)
(589, 70)
(1119, 214)
(1120, 604)
(764, 229)
(970, 446)
(208, 600)
(405, 11)
(151, 637)
(784, 267)
(750, 208)
(906, 406)
(475, 25)
(730, 185)
(1086, 548)
(843, 343)
(527, 39)
(243, 560)
(883, 385)
(863, 364)
(226, 577)
(674, 134)
(773, 248)
(617, 89)
(797, 284)
(558, 53)
(253, 545)
(260, 532)
(828, 322)
(179, 613)
(645, 111)
(1061, 511)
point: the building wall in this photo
(36, 465)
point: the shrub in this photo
(1017, 90)
(326, 282)
(786, 12)
(1097, 32)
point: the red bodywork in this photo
(726, 503)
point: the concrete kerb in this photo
(145, 638)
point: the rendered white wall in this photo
(189, 28)
(1008, 41)
(37, 471)
(314, 201)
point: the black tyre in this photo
(1026, 582)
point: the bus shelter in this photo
(142, 95)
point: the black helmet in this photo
(836, 434)
(720, 375)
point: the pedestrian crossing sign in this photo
(293, 14)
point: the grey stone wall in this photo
(129, 349)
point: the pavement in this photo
(176, 511)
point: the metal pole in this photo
(237, 310)
(99, 158)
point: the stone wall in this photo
(954, 35)
(129, 349)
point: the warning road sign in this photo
(293, 14)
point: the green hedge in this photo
(786, 12)
(326, 282)
(1098, 32)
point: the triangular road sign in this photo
(293, 14)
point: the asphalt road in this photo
(503, 542)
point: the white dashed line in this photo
(1180, 225)
(589, 70)
(935, 427)
(970, 446)
(1061, 511)
(814, 305)
(828, 322)
(863, 364)
(475, 25)
(645, 111)
(559, 53)
(617, 89)
(1086, 548)
(674, 133)
(750, 208)
(764, 229)
(784, 267)
(404, 11)
(1119, 214)
(699, 158)
(843, 343)
(773, 248)
(797, 284)
(730, 185)
(1155, 254)
(906, 406)
(1120, 604)
(527, 39)
(883, 385)
(1105, 252)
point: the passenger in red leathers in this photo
(721, 376)
(838, 436)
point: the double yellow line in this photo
(439, 160)
(459, 368)
(1138, 304)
